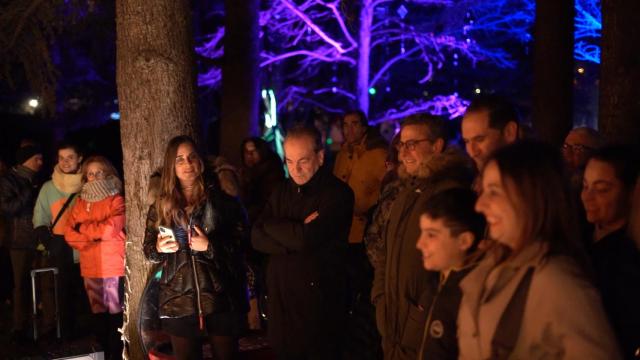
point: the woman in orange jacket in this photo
(95, 228)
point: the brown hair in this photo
(171, 204)
(532, 173)
(107, 166)
(435, 127)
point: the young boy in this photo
(450, 232)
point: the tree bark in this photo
(620, 71)
(240, 79)
(156, 90)
(553, 69)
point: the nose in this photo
(473, 149)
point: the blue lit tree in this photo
(336, 54)
(588, 25)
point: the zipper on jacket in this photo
(195, 276)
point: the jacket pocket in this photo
(414, 328)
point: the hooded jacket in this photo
(401, 281)
(217, 277)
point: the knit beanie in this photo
(27, 152)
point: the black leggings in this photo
(222, 347)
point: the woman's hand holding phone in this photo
(199, 240)
(166, 242)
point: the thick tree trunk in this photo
(553, 69)
(620, 71)
(156, 91)
(364, 52)
(240, 81)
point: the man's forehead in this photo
(579, 137)
(476, 119)
(414, 132)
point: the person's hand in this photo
(199, 240)
(311, 217)
(166, 244)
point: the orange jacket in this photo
(96, 230)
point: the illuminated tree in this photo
(588, 26)
(337, 54)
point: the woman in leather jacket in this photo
(203, 282)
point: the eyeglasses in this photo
(577, 148)
(409, 145)
(96, 174)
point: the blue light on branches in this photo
(588, 28)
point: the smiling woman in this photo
(534, 265)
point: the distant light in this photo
(329, 141)
(372, 90)
(115, 116)
(478, 91)
(34, 103)
(580, 70)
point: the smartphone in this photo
(165, 231)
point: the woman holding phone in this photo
(203, 282)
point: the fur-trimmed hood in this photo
(66, 183)
(451, 162)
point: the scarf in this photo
(97, 190)
(67, 183)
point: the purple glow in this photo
(305, 38)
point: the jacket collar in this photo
(24, 172)
(313, 184)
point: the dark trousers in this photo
(21, 261)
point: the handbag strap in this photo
(64, 207)
(506, 335)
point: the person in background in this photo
(18, 190)
(489, 123)
(95, 227)
(450, 231)
(66, 181)
(607, 192)
(360, 163)
(203, 283)
(577, 148)
(530, 297)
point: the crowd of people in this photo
(500, 247)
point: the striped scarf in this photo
(97, 190)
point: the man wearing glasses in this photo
(401, 285)
(489, 123)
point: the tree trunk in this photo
(156, 91)
(364, 52)
(620, 71)
(553, 69)
(240, 79)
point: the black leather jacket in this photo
(220, 270)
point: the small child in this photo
(450, 231)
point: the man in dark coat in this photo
(18, 191)
(304, 229)
(428, 167)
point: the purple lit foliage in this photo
(333, 54)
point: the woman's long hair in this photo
(172, 205)
(533, 175)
